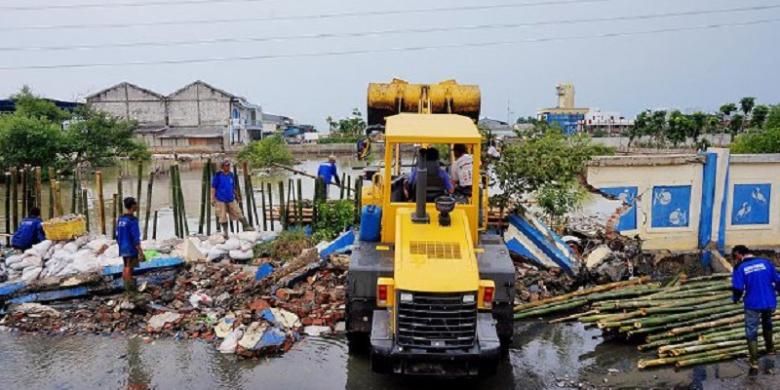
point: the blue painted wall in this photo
(751, 204)
(626, 195)
(671, 206)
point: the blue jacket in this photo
(128, 235)
(224, 187)
(757, 279)
(30, 232)
(327, 171)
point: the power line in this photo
(119, 5)
(389, 50)
(386, 32)
(186, 22)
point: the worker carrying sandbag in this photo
(225, 199)
(29, 232)
(756, 280)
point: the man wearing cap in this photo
(225, 199)
(328, 173)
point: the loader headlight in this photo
(468, 298)
(406, 297)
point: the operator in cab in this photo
(439, 182)
(461, 170)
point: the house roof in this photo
(431, 128)
(122, 84)
(207, 85)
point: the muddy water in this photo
(543, 356)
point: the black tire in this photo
(380, 365)
(358, 343)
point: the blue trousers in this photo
(755, 317)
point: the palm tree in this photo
(746, 104)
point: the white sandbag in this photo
(251, 237)
(216, 239)
(13, 259)
(150, 245)
(40, 248)
(98, 245)
(191, 251)
(71, 247)
(241, 255)
(27, 262)
(31, 273)
(229, 245)
(112, 251)
(83, 240)
(215, 254)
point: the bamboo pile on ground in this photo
(687, 322)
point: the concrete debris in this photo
(158, 321)
(34, 310)
(317, 330)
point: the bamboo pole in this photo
(270, 204)
(115, 215)
(58, 211)
(8, 208)
(299, 209)
(302, 173)
(149, 187)
(14, 198)
(85, 206)
(38, 188)
(52, 178)
(262, 205)
(341, 187)
(154, 226)
(119, 192)
(282, 215)
(209, 174)
(290, 192)
(600, 288)
(139, 175)
(25, 194)
(358, 199)
(203, 199)
(181, 203)
(100, 201)
(73, 192)
(349, 184)
(249, 195)
(174, 201)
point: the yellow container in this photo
(65, 230)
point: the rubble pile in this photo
(225, 303)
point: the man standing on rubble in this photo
(756, 279)
(128, 238)
(225, 199)
(30, 231)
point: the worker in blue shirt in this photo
(128, 238)
(755, 280)
(30, 231)
(439, 182)
(224, 198)
(329, 174)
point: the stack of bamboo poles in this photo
(688, 321)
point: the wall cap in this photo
(646, 160)
(755, 158)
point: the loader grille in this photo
(436, 322)
(435, 250)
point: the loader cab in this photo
(405, 136)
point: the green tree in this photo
(545, 165)
(746, 105)
(347, 129)
(773, 118)
(29, 105)
(757, 141)
(267, 152)
(757, 119)
(29, 140)
(98, 138)
(680, 127)
(699, 125)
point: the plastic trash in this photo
(198, 299)
(263, 271)
(215, 254)
(158, 321)
(252, 335)
(225, 325)
(230, 342)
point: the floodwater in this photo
(191, 179)
(543, 356)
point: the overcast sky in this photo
(694, 69)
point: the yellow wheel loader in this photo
(429, 292)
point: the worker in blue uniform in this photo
(755, 280)
(329, 174)
(29, 232)
(128, 238)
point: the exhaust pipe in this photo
(421, 189)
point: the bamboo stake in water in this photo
(154, 226)
(119, 193)
(25, 194)
(262, 206)
(8, 208)
(282, 217)
(115, 214)
(203, 200)
(101, 206)
(248, 193)
(287, 203)
(73, 192)
(299, 210)
(57, 198)
(174, 201)
(349, 185)
(38, 188)
(209, 171)
(148, 204)
(270, 205)
(14, 198)
(85, 206)
(52, 178)
(140, 173)
(341, 187)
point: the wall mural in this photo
(627, 195)
(671, 206)
(751, 204)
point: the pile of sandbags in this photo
(238, 247)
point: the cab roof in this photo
(431, 128)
